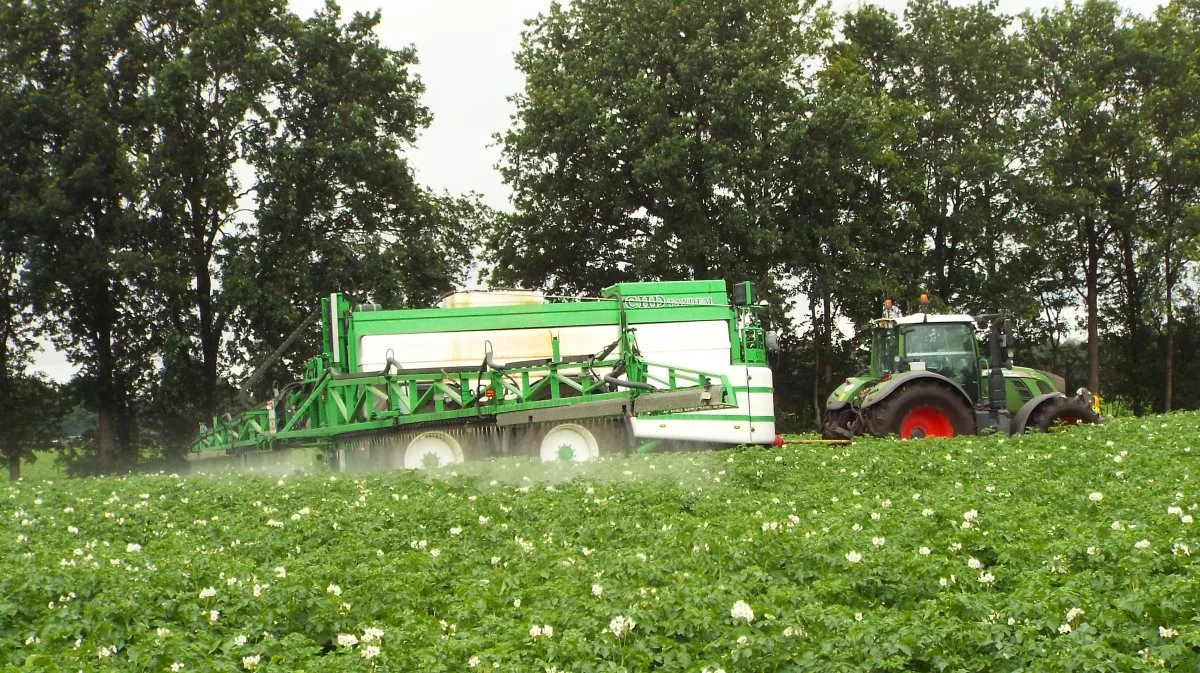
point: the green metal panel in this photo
(360, 403)
(522, 316)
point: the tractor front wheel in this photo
(919, 410)
(1060, 414)
(836, 423)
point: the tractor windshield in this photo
(884, 350)
(938, 339)
(945, 348)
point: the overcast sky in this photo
(465, 48)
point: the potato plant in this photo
(1060, 552)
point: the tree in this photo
(276, 165)
(966, 77)
(205, 156)
(28, 408)
(76, 65)
(650, 141)
(1170, 84)
(31, 410)
(338, 208)
(1079, 86)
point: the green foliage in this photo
(655, 140)
(31, 411)
(180, 166)
(1058, 552)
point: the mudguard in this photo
(846, 392)
(1027, 409)
(884, 389)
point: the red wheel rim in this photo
(926, 422)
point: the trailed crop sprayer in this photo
(512, 372)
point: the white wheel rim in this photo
(569, 442)
(431, 450)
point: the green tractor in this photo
(928, 377)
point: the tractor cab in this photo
(944, 344)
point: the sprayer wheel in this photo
(433, 449)
(569, 442)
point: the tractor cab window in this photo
(945, 348)
(886, 347)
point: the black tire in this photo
(836, 423)
(1061, 412)
(928, 398)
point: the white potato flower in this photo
(620, 625)
(741, 610)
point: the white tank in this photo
(479, 298)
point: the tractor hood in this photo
(851, 389)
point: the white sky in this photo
(465, 49)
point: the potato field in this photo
(1063, 552)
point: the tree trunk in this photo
(827, 338)
(1092, 281)
(1170, 359)
(105, 319)
(1170, 364)
(816, 384)
(104, 437)
(14, 467)
(210, 344)
(1133, 315)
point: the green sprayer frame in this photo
(334, 402)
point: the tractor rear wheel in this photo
(1060, 414)
(922, 409)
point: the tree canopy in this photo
(183, 179)
(1041, 163)
(190, 176)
